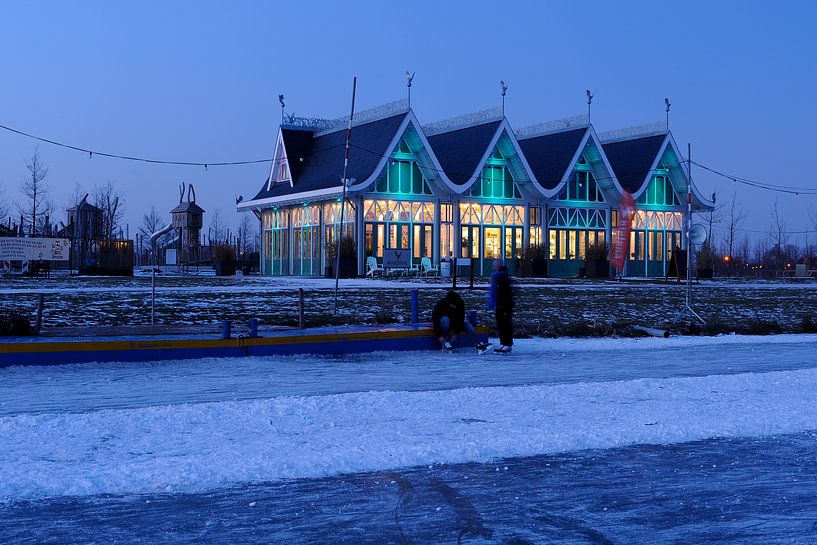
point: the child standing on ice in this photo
(500, 300)
(448, 318)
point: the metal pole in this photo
(153, 293)
(689, 225)
(343, 199)
(300, 308)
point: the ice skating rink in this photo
(579, 441)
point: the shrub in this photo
(223, 252)
(534, 252)
(14, 324)
(596, 252)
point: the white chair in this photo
(372, 267)
(427, 267)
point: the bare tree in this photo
(5, 205)
(33, 187)
(110, 201)
(218, 229)
(742, 253)
(151, 222)
(778, 238)
(76, 195)
(247, 234)
(734, 218)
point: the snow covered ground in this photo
(108, 441)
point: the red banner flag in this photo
(621, 240)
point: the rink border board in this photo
(147, 349)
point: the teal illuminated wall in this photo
(496, 180)
(402, 175)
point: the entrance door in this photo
(421, 244)
(493, 248)
(513, 248)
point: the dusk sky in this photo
(199, 81)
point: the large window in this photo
(581, 186)
(491, 231)
(402, 175)
(275, 248)
(331, 224)
(402, 178)
(399, 224)
(306, 242)
(660, 191)
(496, 182)
(572, 230)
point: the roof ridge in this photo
(635, 132)
(554, 126)
(463, 121)
(321, 126)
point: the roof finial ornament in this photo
(503, 85)
(667, 104)
(589, 101)
(281, 100)
(409, 78)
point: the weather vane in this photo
(281, 100)
(503, 85)
(409, 78)
(589, 101)
(667, 104)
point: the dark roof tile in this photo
(317, 162)
(632, 159)
(459, 151)
(549, 155)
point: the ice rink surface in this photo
(569, 441)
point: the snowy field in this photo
(545, 307)
(683, 440)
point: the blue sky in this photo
(199, 81)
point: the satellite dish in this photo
(697, 234)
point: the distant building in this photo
(469, 187)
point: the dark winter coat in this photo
(452, 306)
(500, 293)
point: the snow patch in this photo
(188, 448)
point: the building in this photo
(470, 187)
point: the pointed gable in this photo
(320, 157)
(550, 155)
(632, 159)
(296, 142)
(460, 151)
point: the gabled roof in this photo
(296, 142)
(316, 161)
(188, 206)
(550, 155)
(460, 151)
(633, 159)
(84, 205)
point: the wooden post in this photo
(301, 308)
(38, 324)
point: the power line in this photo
(791, 190)
(91, 153)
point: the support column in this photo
(608, 229)
(360, 234)
(435, 233)
(291, 245)
(526, 230)
(546, 232)
(455, 211)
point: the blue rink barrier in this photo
(320, 341)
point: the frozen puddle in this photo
(199, 447)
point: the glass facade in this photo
(492, 219)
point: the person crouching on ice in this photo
(449, 321)
(500, 300)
